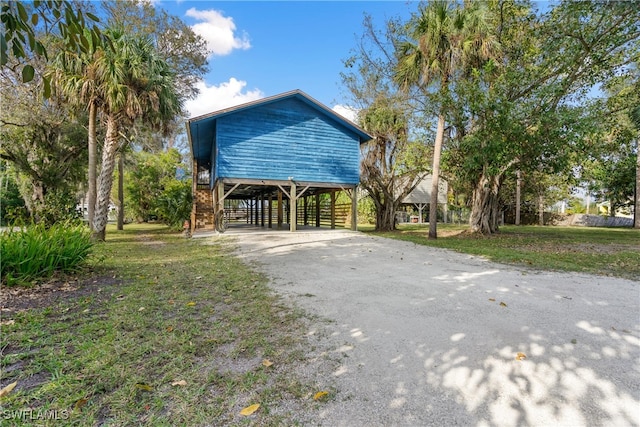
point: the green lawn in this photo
(161, 331)
(606, 251)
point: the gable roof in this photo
(208, 120)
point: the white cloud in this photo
(227, 94)
(218, 31)
(347, 112)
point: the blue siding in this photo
(285, 139)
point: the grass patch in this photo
(156, 309)
(605, 251)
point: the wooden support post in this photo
(270, 221)
(306, 212)
(354, 209)
(256, 213)
(262, 210)
(293, 202)
(317, 210)
(218, 201)
(333, 209)
(220, 196)
(280, 210)
(287, 211)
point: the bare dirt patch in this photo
(16, 299)
(148, 240)
(604, 249)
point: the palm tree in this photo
(73, 75)
(445, 40)
(135, 83)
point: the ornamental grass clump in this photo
(35, 252)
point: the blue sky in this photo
(265, 48)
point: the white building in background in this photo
(420, 197)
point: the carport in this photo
(285, 150)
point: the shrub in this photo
(59, 206)
(11, 203)
(175, 203)
(36, 252)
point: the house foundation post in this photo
(333, 209)
(293, 203)
(354, 209)
(280, 211)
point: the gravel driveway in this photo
(413, 335)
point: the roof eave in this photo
(362, 134)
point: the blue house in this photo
(288, 145)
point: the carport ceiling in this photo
(255, 190)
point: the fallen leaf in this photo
(521, 356)
(141, 309)
(250, 409)
(180, 383)
(574, 341)
(6, 390)
(267, 363)
(79, 404)
(85, 311)
(492, 299)
(7, 322)
(169, 328)
(191, 304)
(502, 304)
(144, 387)
(319, 395)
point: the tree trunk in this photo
(540, 210)
(518, 187)
(93, 154)
(386, 216)
(435, 175)
(636, 211)
(37, 200)
(105, 179)
(484, 208)
(121, 191)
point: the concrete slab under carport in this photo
(235, 229)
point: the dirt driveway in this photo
(412, 335)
